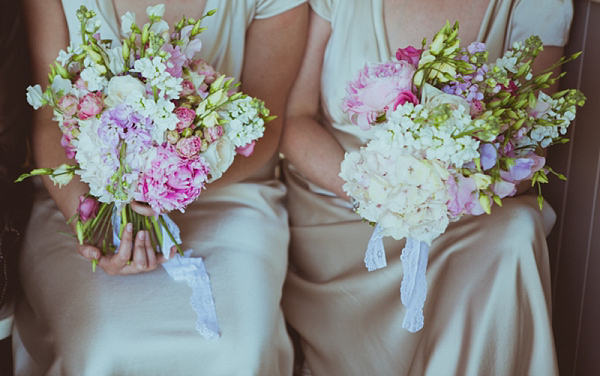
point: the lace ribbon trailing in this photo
(414, 283)
(375, 255)
(188, 269)
(192, 270)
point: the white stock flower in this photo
(219, 157)
(94, 80)
(245, 124)
(120, 87)
(154, 70)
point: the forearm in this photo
(313, 151)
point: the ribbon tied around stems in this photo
(188, 269)
(414, 282)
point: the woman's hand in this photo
(133, 256)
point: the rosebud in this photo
(88, 208)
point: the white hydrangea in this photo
(244, 122)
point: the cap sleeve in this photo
(548, 19)
(323, 8)
(270, 8)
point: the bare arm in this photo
(305, 143)
(274, 49)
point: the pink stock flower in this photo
(246, 150)
(189, 147)
(403, 97)
(463, 195)
(88, 208)
(212, 134)
(375, 91)
(90, 105)
(186, 117)
(172, 182)
(409, 54)
(68, 105)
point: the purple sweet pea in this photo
(489, 156)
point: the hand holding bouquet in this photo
(143, 121)
(455, 134)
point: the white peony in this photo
(121, 87)
(219, 157)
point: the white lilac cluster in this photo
(244, 121)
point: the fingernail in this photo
(129, 227)
(141, 235)
(95, 255)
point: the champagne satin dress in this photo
(70, 321)
(488, 303)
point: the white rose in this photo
(219, 157)
(119, 87)
(35, 97)
(433, 97)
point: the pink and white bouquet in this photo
(454, 135)
(143, 120)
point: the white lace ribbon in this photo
(375, 255)
(414, 283)
(188, 269)
(192, 271)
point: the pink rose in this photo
(186, 117)
(88, 208)
(90, 105)
(212, 134)
(68, 105)
(403, 97)
(188, 147)
(409, 54)
(246, 150)
(476, 108)
(187, 88)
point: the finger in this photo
(140, 258)
(124, 253)
(150, 254)
(142, 208)
(88, 251)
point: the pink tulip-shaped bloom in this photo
(246, 150)
(90, 105)
(68, 105)
(88, 207)
(212, 134)
(409, 54)
(189, 147)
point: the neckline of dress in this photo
(380, 27)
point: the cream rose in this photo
(120, 87)
(433, 97)
(219, 157)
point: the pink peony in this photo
(172, 182)
(212, 134)
(88, 208)
(189, 147)
(186, 117)
(409, 54)
(246, 150)
(90, 105)
(376, 90)
(68, 105)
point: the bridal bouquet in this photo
(454, 135)
(143, 121)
